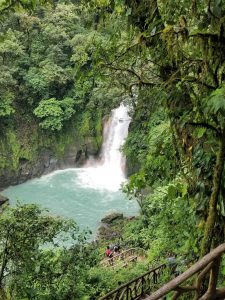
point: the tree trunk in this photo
(217, 177)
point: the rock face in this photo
(26, 151)
(111, 227)
(46, 162)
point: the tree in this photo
(11, 5)
(42, 256)
(10, 50)
(53, 112)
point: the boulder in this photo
(112, 217)
(3, 200)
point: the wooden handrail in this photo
(137, 287)
(197, 267)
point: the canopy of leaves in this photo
(42, 256)
(54, 112)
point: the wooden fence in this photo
(137, 287)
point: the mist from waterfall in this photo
(108, 172)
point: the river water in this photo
(89, 193)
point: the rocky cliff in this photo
(27, 152)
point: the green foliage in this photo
(150, 146)
(167, 225)
(216, 102)
(53, 112)
(40, 54)
(180, 46)
(7, 5)
(5, 105)
(34, 260)
(102, 280)
(11, 45)
(46, 75)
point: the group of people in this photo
(111, 250)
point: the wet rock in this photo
(112, 217)
(3, 200)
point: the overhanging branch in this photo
(205, 125)
(140, 80)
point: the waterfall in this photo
(114, 135)
(109, 171)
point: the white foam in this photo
(100, 178)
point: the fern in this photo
(216, 101)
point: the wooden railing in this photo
(209, 264)
(121, 257)
(137, 287)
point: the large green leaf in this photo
(215, 103)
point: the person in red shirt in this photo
(108, 252)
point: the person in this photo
(116, 248)
(111, 247)
(108, 252)
(172, 263)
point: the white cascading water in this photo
(109, 172)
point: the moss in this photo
(99, 129)
(66, 138)
(13, 149)
(27, 141)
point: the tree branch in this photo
(200, 277)
(181, 290)
(125, 52)
(213, 280)
(204, 35)
(190, 79)
(206, 125)
(219, 294)
(131, 72)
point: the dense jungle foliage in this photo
(67, 61)
(44, 87)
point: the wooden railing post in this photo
(142, 286)
(214, 272)
(127, 292)
(154, 278)
(200, 278)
